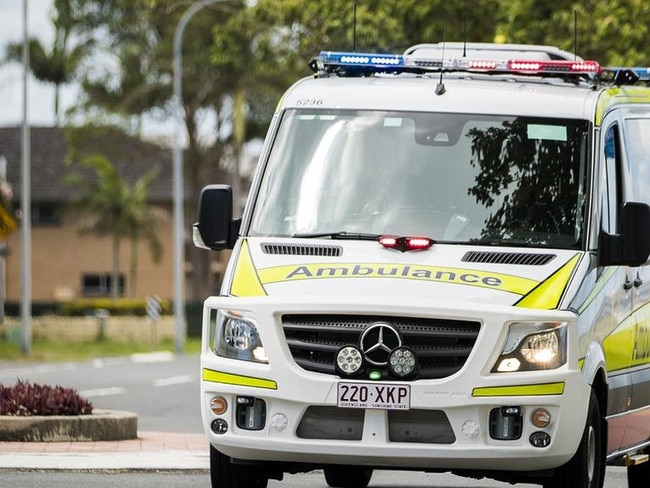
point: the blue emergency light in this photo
(361, 60)
(626, 76)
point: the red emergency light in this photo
(404, 244)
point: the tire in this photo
(347, 476)
(225, 474)
(586, 469)
(638, 476)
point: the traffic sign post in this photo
(154, 309)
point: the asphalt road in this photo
(381, 479)
(161, 388)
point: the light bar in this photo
(642, 73)
(363, 60)
(390, 63)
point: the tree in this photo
(113, 209)
(139, 35)
(613, 32)
(60, 63)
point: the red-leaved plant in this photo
(28, 399)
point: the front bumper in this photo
(466, 399)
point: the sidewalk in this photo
(150, 451)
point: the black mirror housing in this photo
(215, 228)
(632, 246)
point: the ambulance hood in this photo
(527, 277)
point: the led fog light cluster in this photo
(402, 362)
(349, 361)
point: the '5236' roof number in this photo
(303, 102)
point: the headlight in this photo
(533, 346)
(237, 337)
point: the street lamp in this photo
(25, 202)
(179, 234)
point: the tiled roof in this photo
(48, 168)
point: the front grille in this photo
(302, 249)
(520, 258)
(323, 422)
(442, 346)
(346, 424)
(422, 426)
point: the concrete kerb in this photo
(157, 451)
(101, 425)
(107, 461)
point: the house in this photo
(65, 264)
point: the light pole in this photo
(25, 202)
(178, 180)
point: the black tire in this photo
(347, 476)
(586, 469)
(638, 476)
(225, 474)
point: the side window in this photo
(611, 202)
(637, 144)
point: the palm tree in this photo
(110, 208)
(144, 221)
(59, 64)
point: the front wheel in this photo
(347, 476)
(225, 474)
(586, 469)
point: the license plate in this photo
(387, 396)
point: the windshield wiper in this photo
(500, 242)
(351, 236)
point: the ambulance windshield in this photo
(450, 177)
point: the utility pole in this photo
(25, 198)
(178, 178)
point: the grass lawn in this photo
(50, 351)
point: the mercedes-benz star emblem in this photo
(377, 341)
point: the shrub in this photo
(26, 399)
(120, 307)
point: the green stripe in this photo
(239, 380)
(520, 390)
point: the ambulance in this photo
(441, 266)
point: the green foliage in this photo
(26, 399)
(613, 32)
(120, 307)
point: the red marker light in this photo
(554, 67)
(416, 243)
(404, 244)
(388, 241)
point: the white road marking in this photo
(100, 392)
(153, 357)
(174, 380)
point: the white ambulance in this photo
(441, 266)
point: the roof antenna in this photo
(440, 87)
(354, 28)
(465, 35)
(575, 34)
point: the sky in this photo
(40, 96)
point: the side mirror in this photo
(215, 228)
(632, 246)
